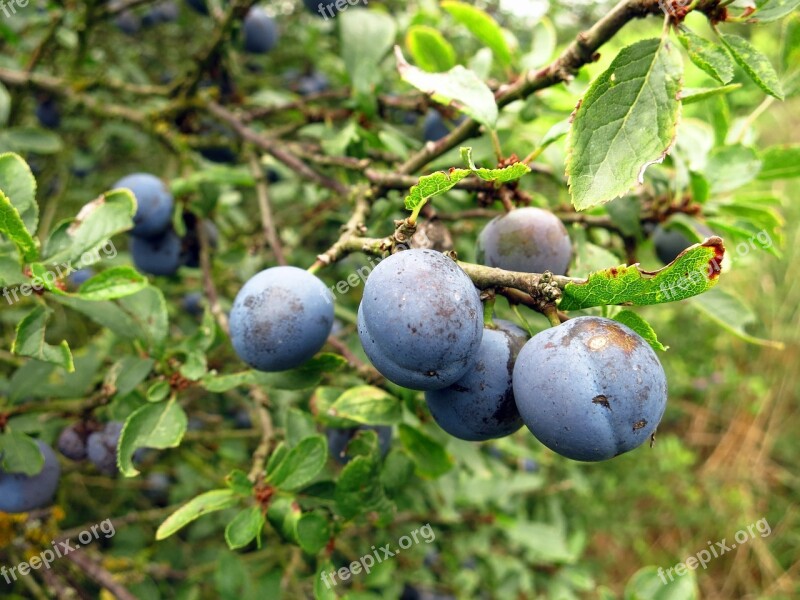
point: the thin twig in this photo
(208, 280)
(96, 572)
(267, 433)
(267, 220)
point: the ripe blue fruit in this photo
(260, 31)
(157, 256)
(101, 447)
(72, 443)
(420, 321)
(154, 204)
(590, 389)
(435, 127)
(339, 439)
(192, 303)
(529, 240)
(20, 493)
(669, 243)
(281, 318)
(48, 114)
(480, 406)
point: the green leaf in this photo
(755, 64)
(113, 283)
(299, 426)
(96, 223)
(710, 57)
(307, 376)
(151, 426)
(440, 182)
(19, 453)
(18, 183)
(204, 504)
(127, 373)
(245, 527)
(692, 95)
(5, 106)
(283, 514)
(365, 36)
(301, 464)
(30, 139)
(13, 228)
(642, 327)
(359, 489)
(149, 310)
(648, 584)
(780, 162)
(731, 167)
(626, 122)
(732, 314)
(773, 10)
(429, 49)
(369, 405)
(589, 257)
(458, 86)
(313, 532)
(430, 457)
(693, 272)
(482, 26)
(30, 340)
(323, 589)
(238, 482)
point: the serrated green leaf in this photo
(111, 284)
(96, 223)
(642, 327)
(13, 228)
(369, 405)
(773, 10)
(780, 162)
(458, 86)
(19, 185)
(157, 426)
(482, 26)
(732, 314)
(204, 504)
(148, 308)
(431, 459)
(301, 464)
(692, 95)
(429, 49)
(626, 122)
(707, 55)
(755, 64)
(19, 453)
(30, 340)
(440, 182)
(245, 527)
(693, 272)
